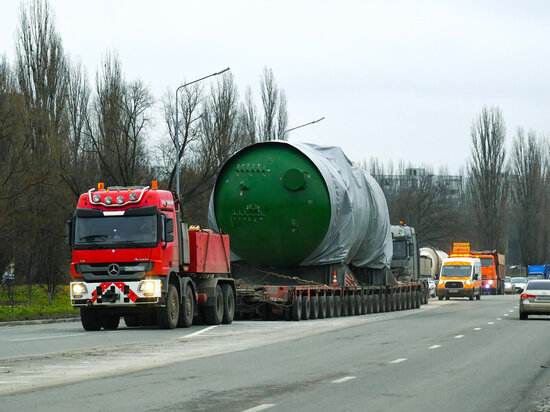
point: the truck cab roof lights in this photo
(95, 198)
(154, 185)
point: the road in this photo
(448, 355)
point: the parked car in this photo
(509, 286)
(431, 285)
(519, 284)
(535, 299)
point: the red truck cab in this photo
(133, 257)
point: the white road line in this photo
(499, 318)
(200, 332)
(260, 407)
(506, 314)
(399, 360)
(477, 328)
(46, 337)
(490, 323)
(459, 336)
(510, 311)
(434, 346)
(344, 379)
(515, 307)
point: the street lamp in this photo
(307, 124)
(177, 127)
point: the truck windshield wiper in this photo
(92, 237)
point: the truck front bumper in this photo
(115, 293)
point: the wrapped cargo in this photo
(297, 204)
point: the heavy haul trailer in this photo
(133, 257)
(307, 227)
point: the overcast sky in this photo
(396, 80)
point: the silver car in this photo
(509, 286)
(535, 299)
(519, 284)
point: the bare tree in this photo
(488, 180)
(249, 118)
(528, 169)
(275, 119)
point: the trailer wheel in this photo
(109, 321)
(228, 304)
(382, 298)
(314, 307)
(213, 315)
(387, 298)
(330, 306)
(322, 307)
(358, 305)
(296, 310)
(409, 300)
(131, 320)
(376, 303)
(337, 306)
(90, 319)
(167, 316)
(187, 309)
(368, 302)
(306, 309)
(351, 305)
(364, 305)
(440, 298)
(418, 299)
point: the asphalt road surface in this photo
(449, 355)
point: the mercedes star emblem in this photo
(113, 269)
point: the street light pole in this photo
(307, 124)
(177, 127)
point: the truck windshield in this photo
(456, 271)
(400, 249)
(115, 231)
(486, 262)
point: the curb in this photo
(37, 322)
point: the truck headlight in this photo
(79, 289)
(147, 287)
(468, 282)
(490, 282)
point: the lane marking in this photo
(459, 336)
(506, 314)
(200, 332)
(399, 360)
(477, 328)
(259, 407)
(344, 379)
(499, 318)
(434, 346)
(46, 337)
(510, 311)
(515, 307)
(490, 323)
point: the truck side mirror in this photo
(68, 229)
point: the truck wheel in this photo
(314, 307)
(330, 306)
(187, 309)
(388, 302)
(337, 306)
(351, 305)
(90, 319)
(109, 321)
(398, 301)
(358, 305)
(391, 300)
(228, 304)
(382, 303)
(375, 303)
(296, 310)
(365, 304)
(306, 309)
(478, 296)
(369, 303)
(322, 307)
(418, 299)
(440, 298)
(131, 320)
(167, 316)
(447, 297)
(213, 315)
(344, 306)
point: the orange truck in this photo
(493, 271)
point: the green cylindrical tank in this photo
(273, 202)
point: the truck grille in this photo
(454, 285)
(94, 272)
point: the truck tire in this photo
(368, 302)
(306, 309)
(418, 299)
(296, 310)
(365, 304)
(314, 307)
(382, 308)
(478, 296)
(330, 306)
(90, 319)
(322, 307)
(344, 306)
(337, 306)
(351, 305)
(228, 304)
(391, 297)
(398, 301)
(131, 320)
(388, 302)
(358, 305)
(375, 303)
(168, 316)
(213, 315)
(110, 321)
(440, 298)
(187, 309)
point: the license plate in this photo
(454, 291)
(543, 298)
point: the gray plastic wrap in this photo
(359, 230)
